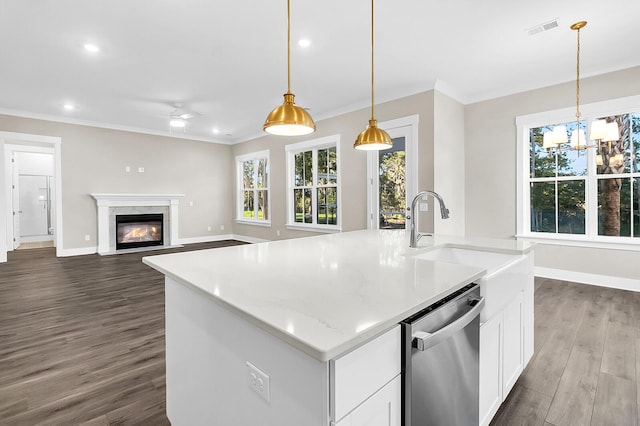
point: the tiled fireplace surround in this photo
(110, 205)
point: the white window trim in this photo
(240, 159)
(589, 112)
(313, 144)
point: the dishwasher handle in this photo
(423, 340)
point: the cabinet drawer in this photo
(362, 372)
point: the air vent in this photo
(540, 28)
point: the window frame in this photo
(312, 145)
(240, 189)
(589, 113)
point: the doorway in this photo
(392, 175)
(31, 192)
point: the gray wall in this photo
(353, 163)
(449, 163)
(490, 149)
(94, 160)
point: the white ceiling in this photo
(227, 59)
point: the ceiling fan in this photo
(179, 118)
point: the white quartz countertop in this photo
(327, 294)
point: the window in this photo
(253, 188)
(313, 185)
(581, 195)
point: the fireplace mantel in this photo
(108, 203)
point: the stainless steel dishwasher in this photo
(440, 361)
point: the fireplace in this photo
(139, 230)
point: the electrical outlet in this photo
(278, 232)
(258, 380)
(87, 237)
(222, 227)
(140, 169)
(208, 228)
(190, 203)
(424, 207)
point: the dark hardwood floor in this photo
(586, 366)
(82, 342)
(82, 339)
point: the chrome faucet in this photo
(415, 235)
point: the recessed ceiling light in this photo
(216, 131)
(304, 42)
(69, 107)
(90, 47)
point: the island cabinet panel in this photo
(490, 368)
(362, 372)
(506, 338)
(208, 348)
(528, 316)
(513, 343)
(383, 408)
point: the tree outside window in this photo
(618, 178)
(567, 187)
(313, 193)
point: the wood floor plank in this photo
(545, 369)
(615, 402)
(573, 402)
(82, 339)
(523, 407)
(619, 357)
(638, 374)
(593, 327)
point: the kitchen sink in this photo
(506, 273)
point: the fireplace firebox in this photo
(139, 230)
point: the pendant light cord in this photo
(578, 83)
(372, 53)
(288, 46)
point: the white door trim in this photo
(24, 142)
(407, 127)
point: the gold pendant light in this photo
(289, 119)
(373, 138)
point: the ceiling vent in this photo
(540, 28)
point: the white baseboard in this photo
(584, 278)
(76, 251)
(36, 239)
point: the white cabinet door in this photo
(490, 368)
(513, 343)
(382, 409)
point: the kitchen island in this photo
(276, 333)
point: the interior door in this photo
(33, 202)
(15, 202)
